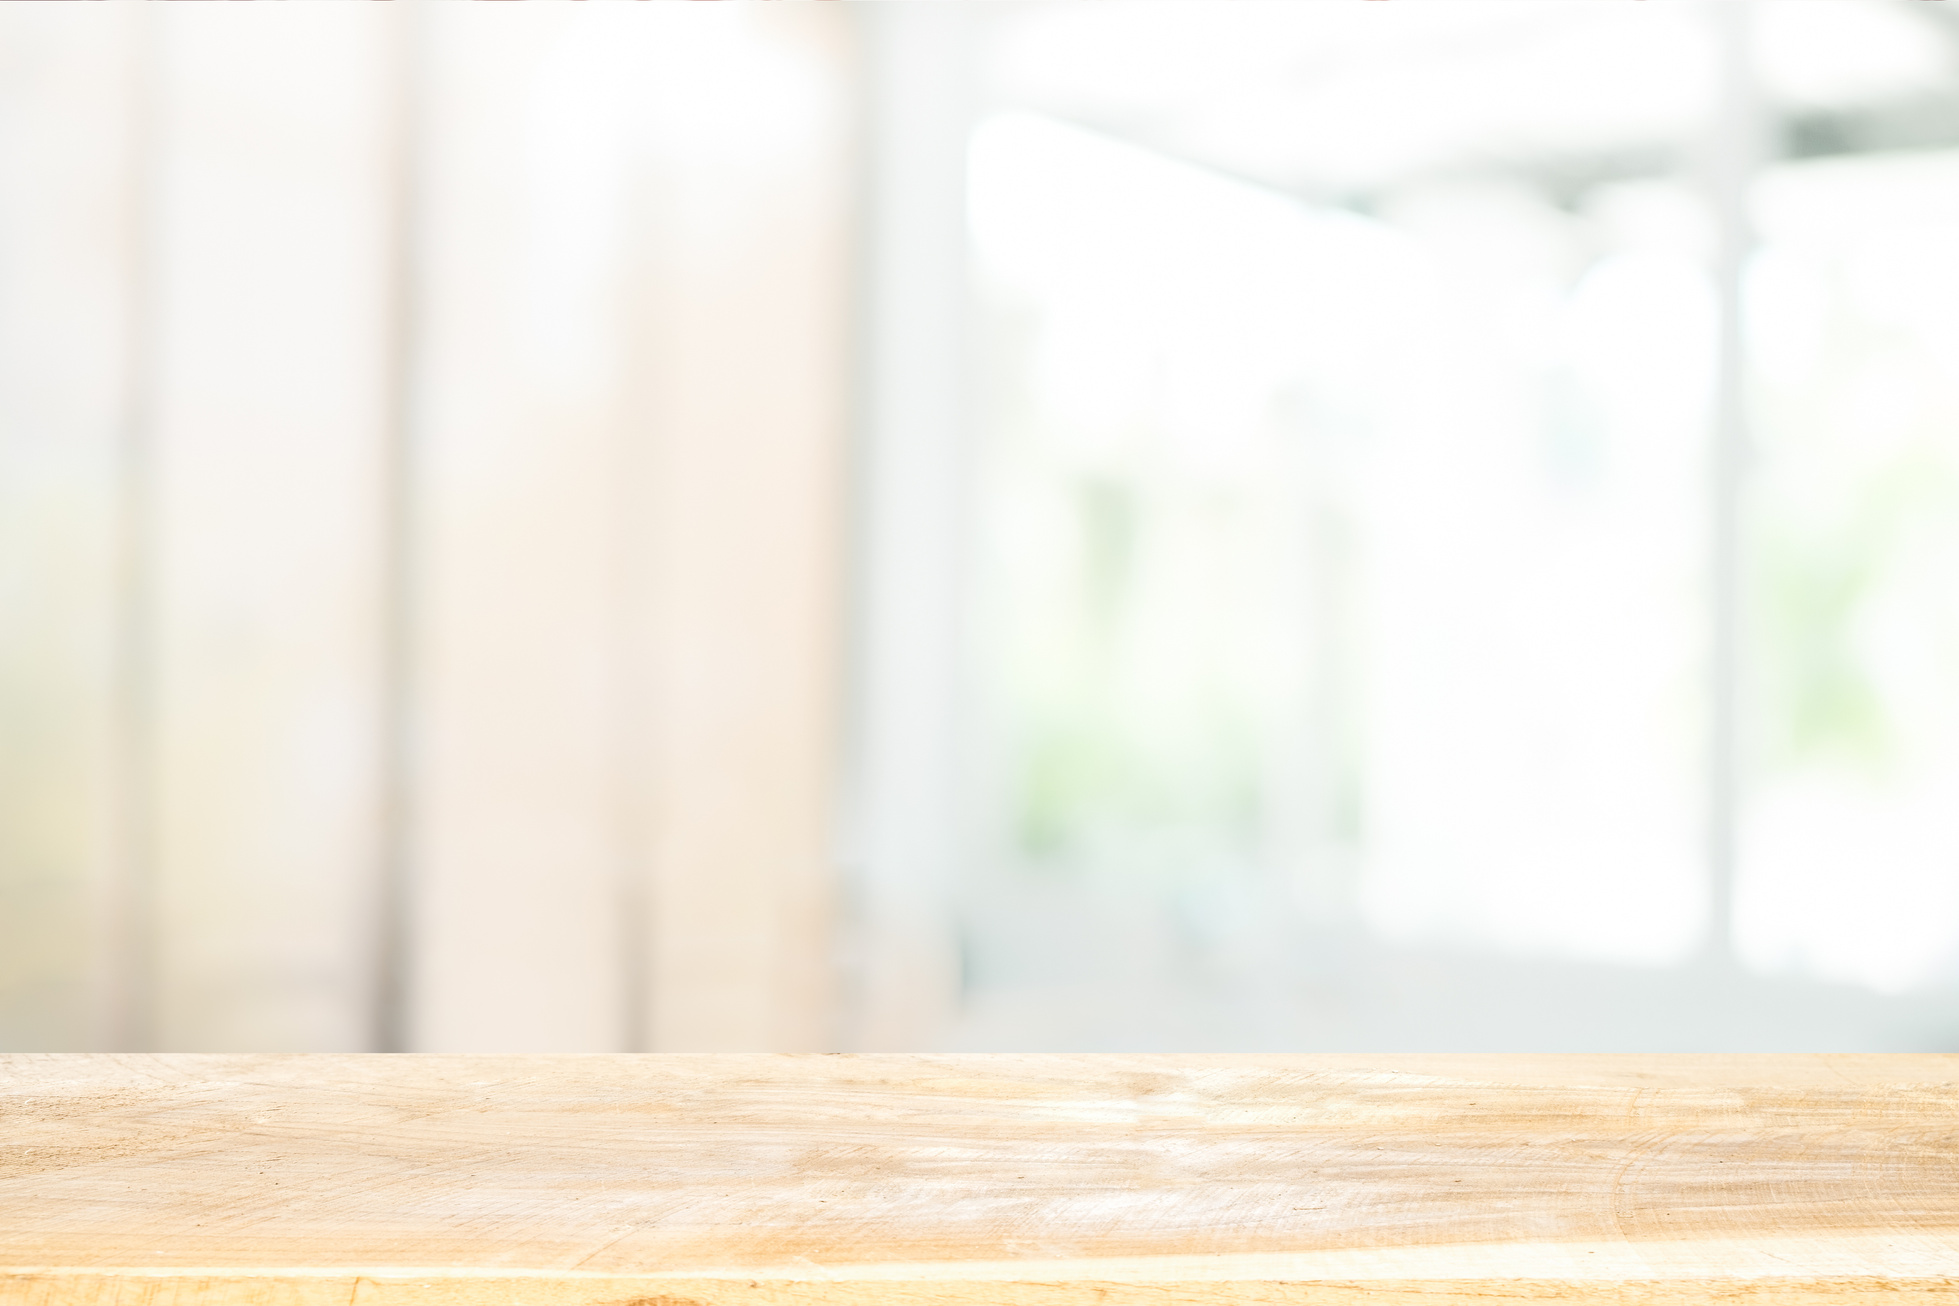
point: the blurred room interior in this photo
(1425, 525)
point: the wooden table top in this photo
(727, 1180)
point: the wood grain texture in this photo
(839, 1180)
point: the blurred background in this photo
(953, 526)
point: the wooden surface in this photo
(703, 1180)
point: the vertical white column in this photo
(401, 495)
(1735, 149)
(510, 904)
(267, 403)
(70, 928)
(739, 330)
(127, 901)
(908, 811)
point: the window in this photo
(1403, 614)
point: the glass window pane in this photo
(1850, 853)
(1343, 523)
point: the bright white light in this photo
(1831, 52)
